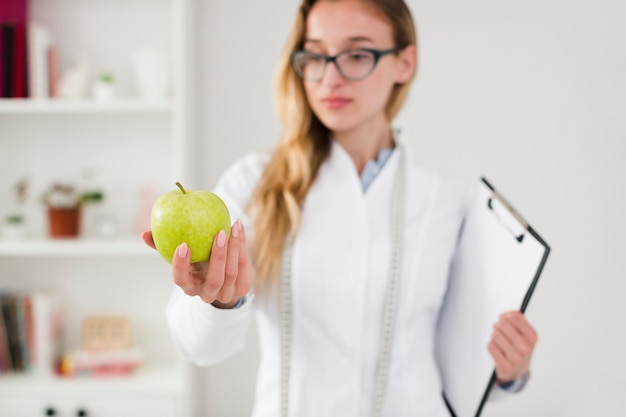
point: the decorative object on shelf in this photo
(106, 349)
(105, 227)
(74, 82)
(64, 202)
(96, 221)
(14, 223)
(13, 227)
(151, 71)
(107, 332)
(103, 88)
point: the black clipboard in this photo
(495, 269)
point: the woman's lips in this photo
(336, 102)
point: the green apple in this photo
(193, 217)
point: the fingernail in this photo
(235, 229)
(221, 239)
(183, 250)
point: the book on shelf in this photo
(13, 45)
(39, 44)
(104, 363)
(20, 82)
(7, 35)
(6, 363)
(9, 305)
(30, 332)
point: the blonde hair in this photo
(276, 204)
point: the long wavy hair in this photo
(276, 204)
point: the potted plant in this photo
(104, 87)
(14, 224)
(64, 202)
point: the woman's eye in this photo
(315, 58)
(312, 57)
(358, 56)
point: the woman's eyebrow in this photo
(360, 39)
(352, 39)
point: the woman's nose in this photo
(332, 75)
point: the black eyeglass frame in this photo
(377, 53)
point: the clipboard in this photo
(495, 269)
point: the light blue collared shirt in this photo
(373, 167)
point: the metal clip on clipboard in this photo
(507, 215)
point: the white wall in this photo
(530, 94)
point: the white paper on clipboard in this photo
(495, 269)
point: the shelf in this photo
(60, 106)
(125, 246)
(148, 380)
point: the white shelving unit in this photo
(59, 106)
(121, 246)
(131, 144)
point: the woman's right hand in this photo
(221, 281)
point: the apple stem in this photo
(181, 188)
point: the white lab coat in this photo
(340, 267)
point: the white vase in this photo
(102, 91)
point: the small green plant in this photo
(107, 77)
(20, 189)
(14, 219)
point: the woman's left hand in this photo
(512, 343)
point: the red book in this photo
(53, 71)
(19, 62)
(13, 67)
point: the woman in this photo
(351, 241)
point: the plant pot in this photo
(64, 222)
(13, 231)
(103, 92)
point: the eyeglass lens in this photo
(352, 64)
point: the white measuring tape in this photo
(391, 301)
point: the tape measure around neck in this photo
(390, 303)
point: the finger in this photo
(519, 333)
(510, 331)
(147, 238)
(504, 368)
(498, 356)
(244, 280)
(181, 268)
(215, 272)
(523, 327)
(232, 266)
(505, 344)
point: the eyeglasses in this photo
(352, 64)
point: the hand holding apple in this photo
(191, 217)
(221, 281)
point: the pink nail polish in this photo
(221, 239)
(183, 250)
(235, 229)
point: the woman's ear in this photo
(407, 59)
